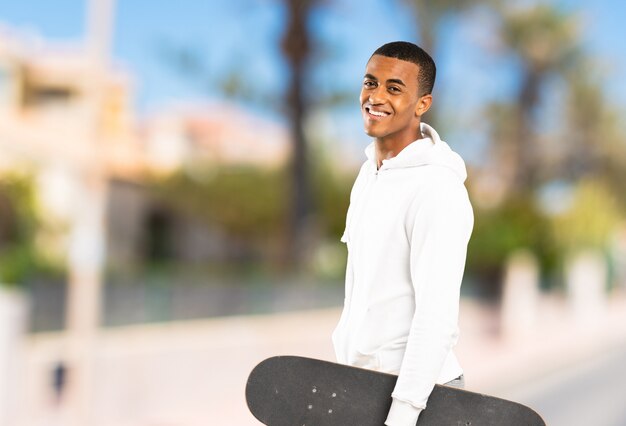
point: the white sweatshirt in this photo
(407, 230)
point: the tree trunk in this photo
(526, 158)
(296, 48)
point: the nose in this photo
(376, 95)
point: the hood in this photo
(430, 150)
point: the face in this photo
(390, 101)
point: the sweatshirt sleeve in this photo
(402, 413)
(438, 228)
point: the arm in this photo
(438, 232)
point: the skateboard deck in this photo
(297, 391)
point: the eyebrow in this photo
(391, 80)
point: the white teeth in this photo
(378, 114)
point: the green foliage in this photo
(331, 192)
(498, 232)
(545, 36)
(519, 224)
(590, 220)
(19, 223)
(583, 141)
(249, 204)
(244, 201)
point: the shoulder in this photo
(443, 194)
(442, 183)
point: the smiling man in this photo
(407, 230)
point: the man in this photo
(407, 230)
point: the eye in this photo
(394, 89)
(369, 84)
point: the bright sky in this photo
(245, 34)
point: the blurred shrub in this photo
(19, 224)
(249, 204)
(515, 224)
(331, 194)
(244, 201)
(590, 220)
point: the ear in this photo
(423, 105)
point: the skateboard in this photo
(297, 391)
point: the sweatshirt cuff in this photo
(402, 414)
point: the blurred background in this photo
(174, 179)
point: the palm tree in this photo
(296, 47)
(545, 40)
(429, 16)
(595, 142)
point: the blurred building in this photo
(220, 134)
(46, 105)
(195, 140)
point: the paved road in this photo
(588, 393)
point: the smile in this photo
(378, 114)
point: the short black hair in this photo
(410, 52)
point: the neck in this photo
(387, 148)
